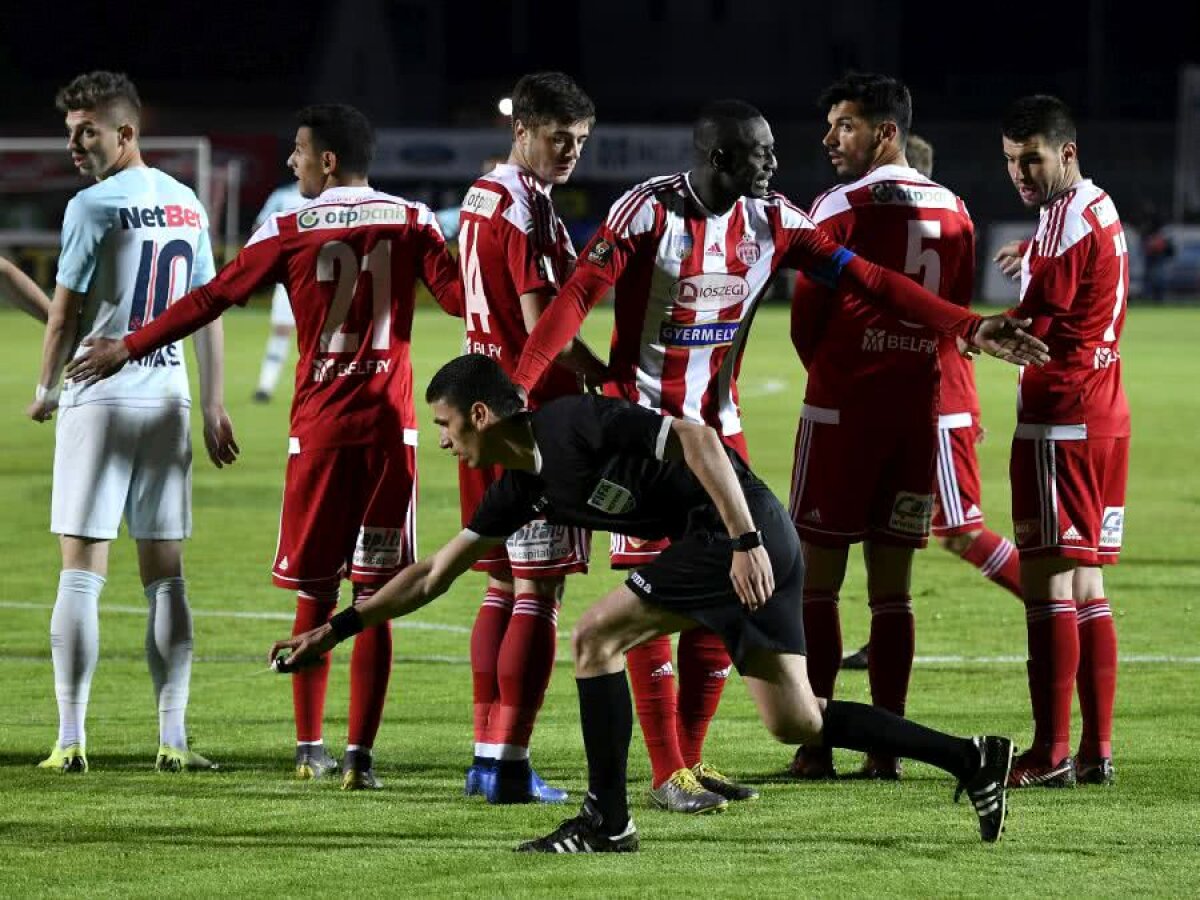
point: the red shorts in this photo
(956, 494)
(538, 550)
(632, 553)
(347, 512)
(863, 475)
(1068, 493)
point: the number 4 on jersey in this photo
(338, 261)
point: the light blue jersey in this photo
(134, 243)
(283, 199)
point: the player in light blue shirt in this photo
(132, 243)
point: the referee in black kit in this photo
(734, 565)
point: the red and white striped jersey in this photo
(1074, 284)
(686, 284)
(858, 354)
(350, 260)
(511, 242)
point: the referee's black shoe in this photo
(584, 834)
(987, 786)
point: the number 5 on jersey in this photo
(338, 262)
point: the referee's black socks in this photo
(856, 726)
(606, 716)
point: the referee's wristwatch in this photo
(747, 541)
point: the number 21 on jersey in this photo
(338, 262)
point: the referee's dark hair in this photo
(474, 378)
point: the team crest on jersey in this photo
(681, 246)
(748, 252)
(600, 253)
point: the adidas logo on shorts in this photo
(1072, 534)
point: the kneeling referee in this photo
(734, 565)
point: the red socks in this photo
(704, 666)
(1097, 678)
(370, 672)
(996, 558)
(890, 660)
(1053, 662)
(486, 638)
(823, 635)
(309, 684)
(653, 679)
(523, 669)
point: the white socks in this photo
(169, 656)
(75, 647)
(274, 358)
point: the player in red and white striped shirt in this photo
(350, 259)
(1070, 451)
(514, 253)
(688, 257)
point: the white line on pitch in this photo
(234, 614)
(951, 659)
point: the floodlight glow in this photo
(505, 106)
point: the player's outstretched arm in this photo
(62, 326)
(23, 292)
(576, 355)
(701, 449)
(404, 594)
(1000, 336)
(218, 427)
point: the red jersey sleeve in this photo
(439, 269)
(259, 264)
(529, 253)
(1053, 281)
(596, 271)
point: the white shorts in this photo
(281, 308)
(111, 461)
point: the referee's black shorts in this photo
(691, 578)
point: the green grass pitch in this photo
(252, 830)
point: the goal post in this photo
(37, 179)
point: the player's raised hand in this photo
(752, 577)
(305, 649)
(104, 358)
(1005, 338)
(222, 448)
(1008, 259)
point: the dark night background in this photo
(236, 68)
